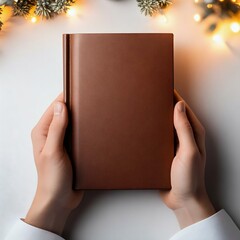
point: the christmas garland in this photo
(45, 8)
(50, 8)
(215, 12)
(1, 23)
(153, 7)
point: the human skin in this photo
(188, 197)
(55, 199)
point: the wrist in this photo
(194, 210)
(48, 215)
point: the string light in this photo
(197, 17)
(209, 5)
(30, 12)
(163, 18)
(222, 18)
(217, 38)
(33, 19)
(235, 27)
(71, 12)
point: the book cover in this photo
(118, 88)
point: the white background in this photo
(207, 75)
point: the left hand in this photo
(54, 198)
(188, 197)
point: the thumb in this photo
(57, 128)
(183, 127)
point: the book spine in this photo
(67, 94)
(66, 69)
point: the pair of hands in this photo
(54, 198)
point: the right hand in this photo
(188, 197)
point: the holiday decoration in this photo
(1, 23)
(219, 14)
(22, 7)
(43, 8)
(222, 17)
(152, 7)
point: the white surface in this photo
(208, 76)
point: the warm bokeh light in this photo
(33, 19)
(217, 38)
(71, 12)
(235, 27)
(197, 17)
(163, 18)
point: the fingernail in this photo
(181, 106)
(58, 108)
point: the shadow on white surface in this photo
(121, 214)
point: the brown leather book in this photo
(118, 88)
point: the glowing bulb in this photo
(235, 27)
(196, 1)
(197, 17)
(217, 38)
(233, 1)
(163, 19)
(71, 12)
(221, 0)
(33, 19)
(209, 5)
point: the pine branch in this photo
(164, 3)
(43, 8)
(151, 7)
(1, 23)
(49, 8)
(148, 7)
(60, 6)
(22, 7)
(220, 9)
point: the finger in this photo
(198, 128)
(46, 119)
(57, 128)
(40, 131)
(183, 128)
